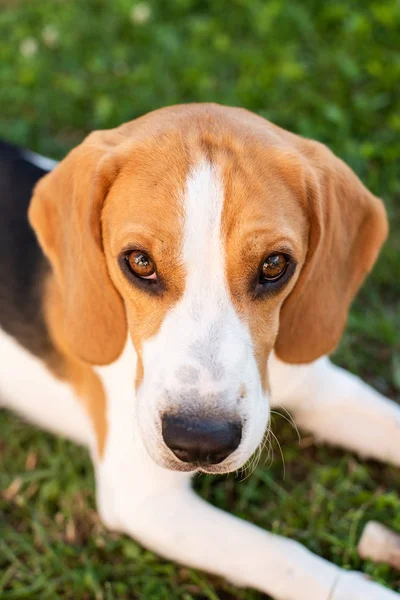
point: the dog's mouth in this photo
(201, 469)
(170, 462)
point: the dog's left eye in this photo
(274, 272)
(274, 267)
(141, 265)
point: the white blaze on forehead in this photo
(203, 252)
(203, 328)
(214, 334)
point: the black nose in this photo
(200, 441)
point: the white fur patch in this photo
(203, 254)
(29, 388)
(202, 355)
(47, 164)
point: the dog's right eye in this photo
(140, 269)
(141, 265)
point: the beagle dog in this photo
(184, 273)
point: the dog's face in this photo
(209, 237)
(203, 253)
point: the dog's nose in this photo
(200, 441)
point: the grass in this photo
(325, 70)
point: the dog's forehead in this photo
(150, 190)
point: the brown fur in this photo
(276, 181)
(143, 209)
(65, 213)
(282, 192)
(69, 367)
(348, 228)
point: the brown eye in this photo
(274, 267)
(141, 265)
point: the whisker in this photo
(255, 459)
(252, 463)
(270, 455)
(292, 420)
(281, 453)
(247, 467)
(289, 420)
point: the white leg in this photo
(175, 523)
(158, 508)
(28, 388)
(338, 408)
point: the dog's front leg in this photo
(158, 508)
(338, 408)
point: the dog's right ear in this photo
(348, 226)
(65, 213)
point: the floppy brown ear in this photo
(65, 213)
(348, 226)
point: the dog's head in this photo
(208, 237)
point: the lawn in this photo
(327, 70)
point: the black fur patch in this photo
(23, 266)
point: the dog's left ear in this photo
(65, 213)
(348, 226)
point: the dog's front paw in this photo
(355, 586)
